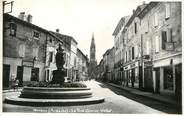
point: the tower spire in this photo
(93, 63)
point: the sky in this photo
(79, 19)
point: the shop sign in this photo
(27, 63)
(127, 67)
(136, 64)
(147, 64)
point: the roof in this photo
(147, 9)
(65, 37)
(137, 11)
(7, 17)
(107, 52)
(10, 17)
(82, 53)
(120, 24)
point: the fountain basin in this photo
(55, 93)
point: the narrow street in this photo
(116, 101)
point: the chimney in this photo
(57, 30)
(143, 2)
(22, 15)
(29, 18)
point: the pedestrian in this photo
(15, 82)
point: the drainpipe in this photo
(142, 62)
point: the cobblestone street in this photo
(114, 103)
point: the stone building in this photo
(23, 51)
(108, 63)
(163, 37)
(118, 48)
(52, 44)
(100, 70)
(70, 47)
(132, 50)
(82, 66)
(92, 62)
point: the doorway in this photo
(6, 75)
(35, 74)
(20, 75)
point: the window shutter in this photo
(157, 44)
(130, 55)
(167, 11)
(136, 51)
(156, 19)
(147, 47)
(135, 28)
(164, 39)
(50, 56)
(169, 35)
(146, 26)
(126, 56)
(22, 50)
(132, 52)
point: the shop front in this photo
(131, 75)
(167, 76)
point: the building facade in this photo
(108, 64)
(70, 48)
(82, 66)
(164, 32)
(100, 70)
(23, 51)
(132, 70)
(52, 43)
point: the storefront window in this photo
(136, 75)
(168, 78)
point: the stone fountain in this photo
(55, 95)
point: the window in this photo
(146, 26)
(167, 10)
(13, 29)
(164, 39)
(35, 52)
(50, 56)
(22, 50)
(136, 51)
(156, 19)
(135, 27)
(126, 57)
(169, 35)
(147, 47)
(157, 44)
(132, 53)
(36, 34)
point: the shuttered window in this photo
(157, 44)
(136, 51)
(50, 56)
(147, 47)
(156, 19)
(167, 10)
(132, 53)
(169, 35)
(135, 28)
(22, 50)
(146, 26)
(35, 52)
(164, 39)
